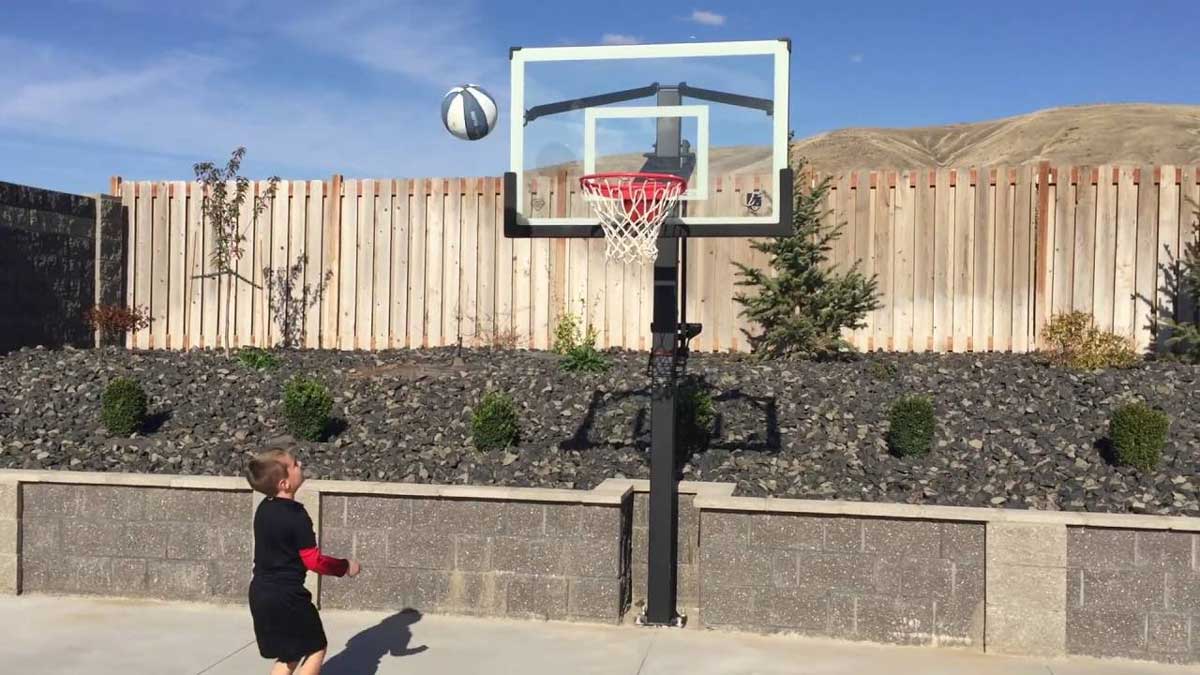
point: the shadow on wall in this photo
(365, 651)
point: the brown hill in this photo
(1081, 135)
(1093, 134)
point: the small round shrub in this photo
(123, 406)
(257, 358)
(911, 426)
(1138, 433)
(695, 413)
(494, 424)
(306, 408)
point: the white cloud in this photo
(428, 44)
(707, 18)
(619, 39)
(175, 109)
(856, 58)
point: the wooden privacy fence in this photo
(967, 260)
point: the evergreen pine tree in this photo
(804, 307)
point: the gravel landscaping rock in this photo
(1011, 432)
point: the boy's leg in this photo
(281, 668)
(311, 664)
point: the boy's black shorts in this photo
(286, 623)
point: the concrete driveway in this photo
(52, 635)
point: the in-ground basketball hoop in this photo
(648, 214)
(631, 207)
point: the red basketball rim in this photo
(648, 183)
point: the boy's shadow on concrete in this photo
(365, 651)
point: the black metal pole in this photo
(664, 495)
(664, 506)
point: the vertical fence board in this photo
(1002, 293)
(903, 244)
(177, 297)
(943, 263)
(468, 291)
(1146, 269)
(1167, 249)
(418, 247)
(486, 323)
(314, 277)
(964, 259)
(1023, 261)
(452, 263)
(1125, 259)
(1189, 228)
(380, 253)
(1106, 250)
(1083, 295)
(985, 224)
(924, 261)
(194, 274)
(1063, 265)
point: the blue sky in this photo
(144, 89)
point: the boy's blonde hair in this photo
(266, 469)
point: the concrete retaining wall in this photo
(59, 255)
(1005, 581)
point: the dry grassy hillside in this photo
(1082, 135)
(1094, 134)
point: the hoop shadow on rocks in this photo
(733, 403)
(365, 651)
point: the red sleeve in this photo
(320, 563)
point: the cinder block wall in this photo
(59, 254)
(516, 558)
(893, 581)
(156, 542)
(1134, 594)
(1003, 581)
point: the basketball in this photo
(469, 112)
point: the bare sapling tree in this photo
(222, 209)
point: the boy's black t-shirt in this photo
(282, 528)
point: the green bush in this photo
(494, 424)
(566, 334)
(123, 407)
(257, 358)
(911, 426)
(1138, 433)
(306, 408)
(1075, 342)
(584, 357)
(695, 413)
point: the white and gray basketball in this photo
(469, 112)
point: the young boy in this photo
(286, 623)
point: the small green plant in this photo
(1076, 342)
(882, 370)
(695, 414)
(306, 408)
(583, 357)
(494, 424)
(911, 426)
(257, 358)
(566, 334)
(123, 407)
(1138, 433)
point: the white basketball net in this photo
(631, 208)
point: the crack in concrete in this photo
(645, 656)
(226, 657)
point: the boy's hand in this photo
(354, 569)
